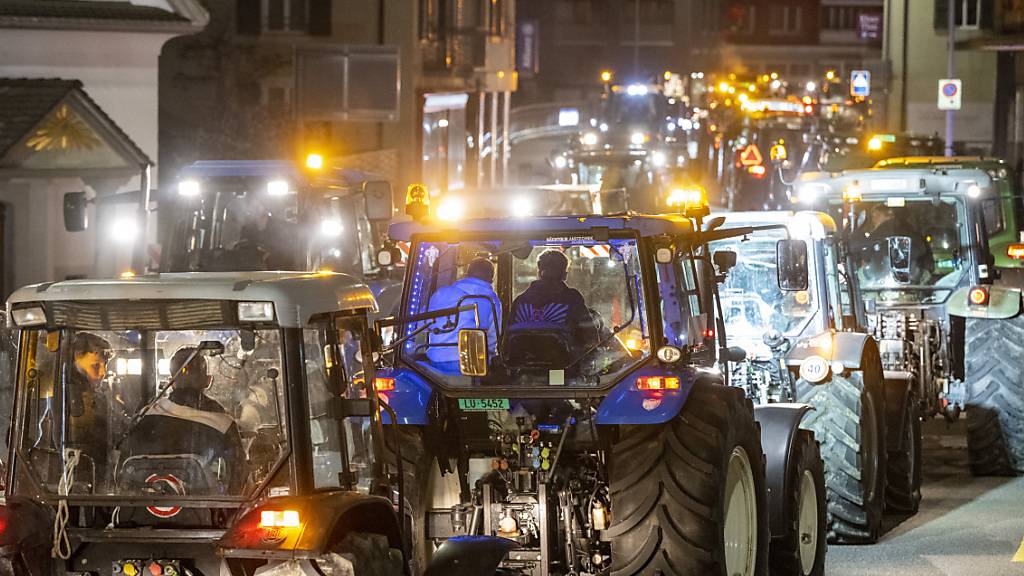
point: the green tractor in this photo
(920, 246)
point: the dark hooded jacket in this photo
(553, 304)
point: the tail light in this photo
(657, 383)
(1015, 251)
(383, 384)
(279, 519)
(978, 296)
(757, 170)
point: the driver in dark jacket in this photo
(550, 302)
(188, 421)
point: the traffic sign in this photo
(751, 156)
(860, 83)
(950, 92)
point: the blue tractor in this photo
(595, 430)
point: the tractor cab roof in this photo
(881, 183)
(296, 296)
(943, 161)
(274, 170)
(803, 224)
(645, 225)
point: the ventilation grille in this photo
(163, 315)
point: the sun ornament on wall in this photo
(63, 130)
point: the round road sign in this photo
(949, 89)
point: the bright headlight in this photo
(560, 162)
(973, 191)
(188, 188)
(590, 139)
(637, 138)
(451, 209)
(522, 207)
(277, 187)
(331, 227)
(658, 159)
(124, 230)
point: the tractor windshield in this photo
(122, 409)
(937, 240)
(565, 311)
(752, 302)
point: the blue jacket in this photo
(448, 297)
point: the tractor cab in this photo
(196, 423)
(273, 215)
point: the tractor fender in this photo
(25, 528)
(848, 348)
(324, 520)
(898, 386)
(409, 399)
(779, 424)
(625, 404)
(1003, 303)
(469, 556)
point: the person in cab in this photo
(188, 422)
(473, 288)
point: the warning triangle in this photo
(751, 156)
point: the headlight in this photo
(331, 227)
(256, 311)
(637, 138)
(560, 162)
(33, 316)
(875, 143)
(658, 159)
(277, 187)
(973, 191)
(124, 230)
(807, 194)
(451, 209)
(522, 207)
(590, 139)
(188, 188)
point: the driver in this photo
(190, 422)
(549, 300)
(473, 288)
(883, 222)
(275, 235)
(90, 399)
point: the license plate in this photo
(483, 404)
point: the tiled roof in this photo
(24, 102)
(39, 11)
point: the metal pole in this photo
(480, 119)
(951, 71)
(506, 146)
(494, 139)
(636, 38)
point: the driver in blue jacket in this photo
(473, 288)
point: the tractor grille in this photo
(142, 315)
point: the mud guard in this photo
(324, 519)
(845, 347)
(1002, 303)
(409, 399)
(469, 556)
(779, 424)
(625, 404)
(25, 527)
(897, 394)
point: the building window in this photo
(784, 20)
(740, 19)
(651, 11)
(840, 17)
(968, 14)
(284, 15)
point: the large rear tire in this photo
(802, 551)
(903, 478)
(848, 420)
(994, 377)
(416, 465)
(689, 496)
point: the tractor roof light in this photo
(853, 192)
(590, 139)
(451, 209)
(691, 201)
(256, 311)
(314, 161)
(31, 316)
(875, 144)
(278, 188)
(973, 190)
(189, 188)
(417, 201)
(606, 76)
(637, 138)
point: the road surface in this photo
(967, 526)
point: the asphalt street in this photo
(966, 526)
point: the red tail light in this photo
(657, 383)
(383, 384)
(1015, 251)
(978, 296)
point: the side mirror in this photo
(389, 256)
(473, 352)
(663, 255)
(714, 223)
(380, 202)
(724, 260)
(791, 264)
(75, 217)
(733, 354)
(899, 258)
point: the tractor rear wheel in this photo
(848, 421)
(802, 551)
(903, 478)
(994, 377)
(416, 465)
(689, 496)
